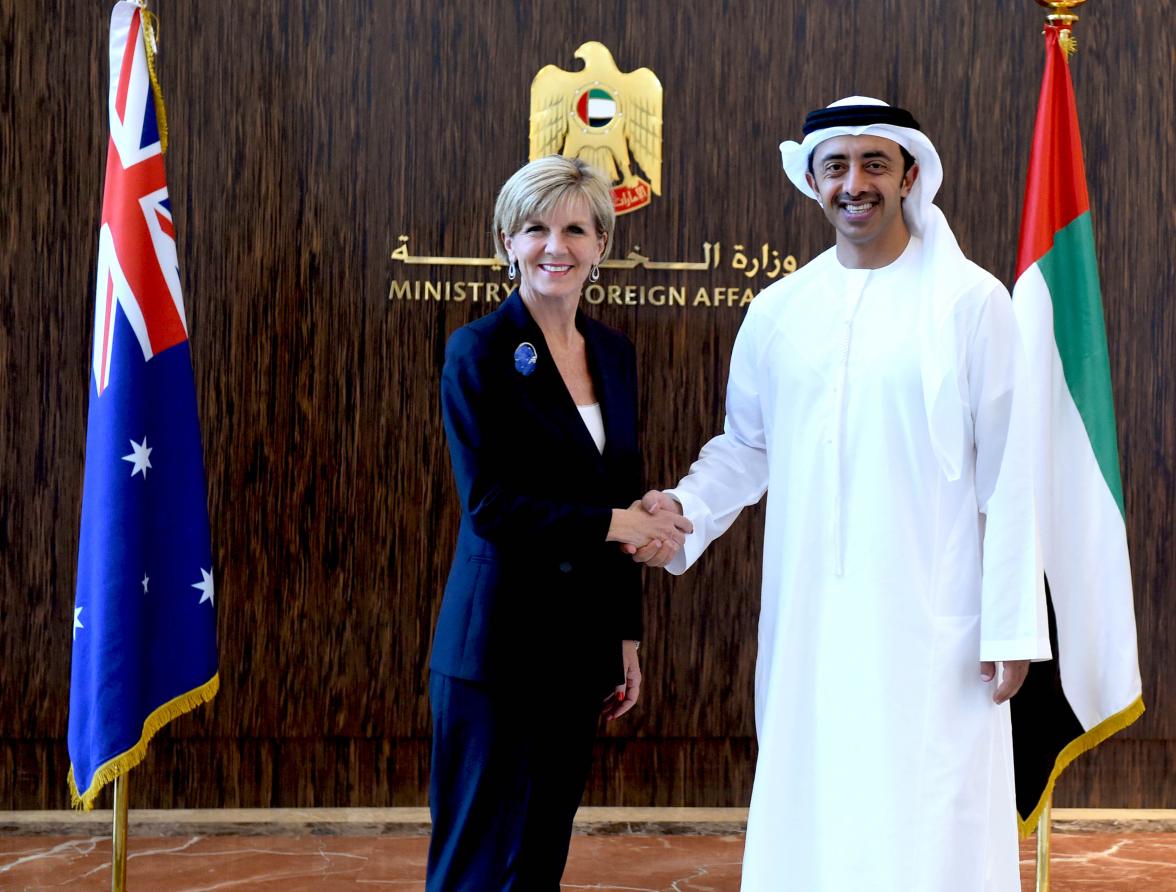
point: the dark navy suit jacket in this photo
(534, 587)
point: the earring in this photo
(512, 271)
(594, 273)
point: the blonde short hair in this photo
(538, 187)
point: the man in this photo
(876, 393)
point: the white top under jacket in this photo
(594, 421)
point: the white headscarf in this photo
(916, 205)
(945, 275)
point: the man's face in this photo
(861, 185)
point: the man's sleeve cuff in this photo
(1000, 650)
(694, 509)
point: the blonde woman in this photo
(541, 618)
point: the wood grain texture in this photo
(304, 141)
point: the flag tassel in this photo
(151, 44)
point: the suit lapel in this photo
(545, 385)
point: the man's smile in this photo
(858, 208)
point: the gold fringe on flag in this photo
(1075, 748)
(125, 761)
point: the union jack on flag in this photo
(144, 624)
(138, 271)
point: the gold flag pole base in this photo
(118, 868)
(1043, 840)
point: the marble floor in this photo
(1082, 862)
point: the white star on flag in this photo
(140, 457)
(205, 586)
(146, 579)
(77, 622)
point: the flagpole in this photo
(118, 870)
(1061, 15)
(1043, 841)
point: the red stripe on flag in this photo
(582, 107)
(166, 226)
(101, 382)
(1055, 191)
(122, 209)
(124, 76)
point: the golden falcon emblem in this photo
(608, 118)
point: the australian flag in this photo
(144, 622)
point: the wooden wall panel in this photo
(305, 140)
(326, 772)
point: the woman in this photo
(541, 617)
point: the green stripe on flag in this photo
(1071, 274)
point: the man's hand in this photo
(1012, 676)
(655, 553)
(638, 527)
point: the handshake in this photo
(651, 530)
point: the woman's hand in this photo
(625, 696)
(636, 526)
(652, 554)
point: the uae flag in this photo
(596, 107)
(1092, 689)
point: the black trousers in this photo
(508, 772)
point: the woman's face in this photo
(555, 251)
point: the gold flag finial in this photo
(1062, 15)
